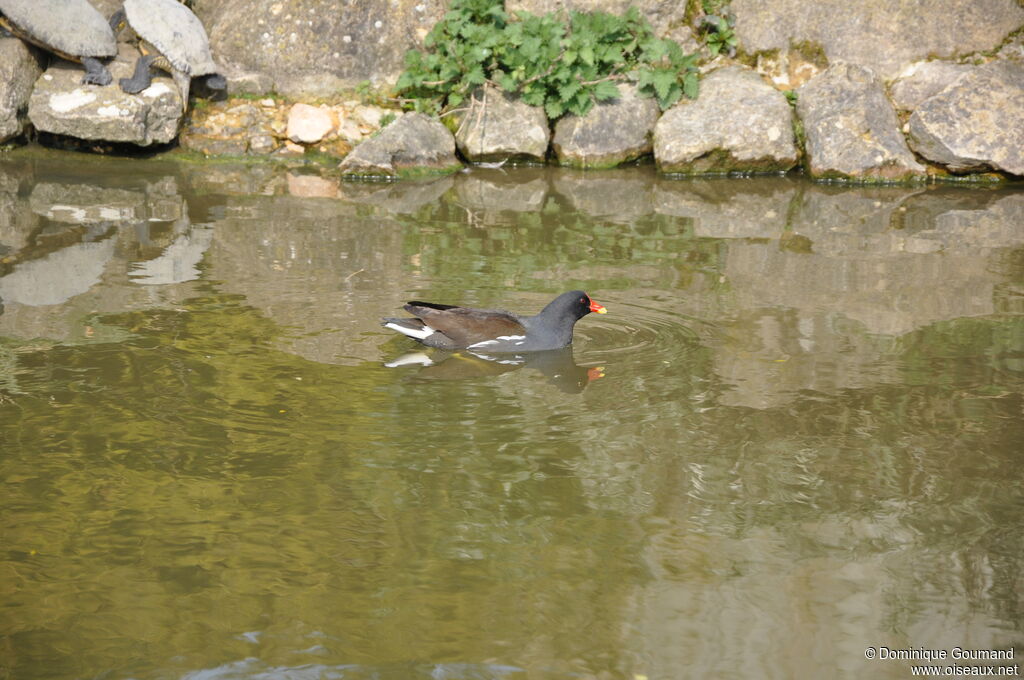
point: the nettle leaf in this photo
(587, 55)
(579, 107)
(690, 85)
(413, 59)
(675, 93)
(407, 81)
(568, 90)
(476, 76)
(675, 52)
(662, 80)
(605, 90)
(533, 97)
(513, 34)
(554, 108)
(562, 74)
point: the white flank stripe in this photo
(424, 332)
(497, 340)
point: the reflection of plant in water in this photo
(8, 371)
(517, 247)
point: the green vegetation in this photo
(367, 93)
(715, 27)
(563, 63)
(717, 33)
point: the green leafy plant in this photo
(564, 63)
(716, 30)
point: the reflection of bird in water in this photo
(557, 365)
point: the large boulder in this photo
(738, 123)
(62, 105)
(851, 128)
(498, 126)
(976, 123)
(415, 144)
(316, 47)
(18, 72)
(924, 80)
(612, 132)
(880, 34)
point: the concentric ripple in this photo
(641, 330)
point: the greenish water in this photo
(798, 433)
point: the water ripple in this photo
(641, 333)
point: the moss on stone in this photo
(750, 60)
(692, 11)
(416, 172)
(799, 134)
(811, 51)
(873, 177)
(721, 163)
(423, 171)
(604, 162)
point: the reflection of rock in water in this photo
(15, 224)
(524, 191)
(398, 197)
(86, 203)
(615, 195)
(58, 276)
(727, 208)
(73, 240)
(558, 366)
(178, 262)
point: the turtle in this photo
(172, 38)
(72, 29)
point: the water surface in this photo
(797, 434)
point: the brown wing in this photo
(464, 325)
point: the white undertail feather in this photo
(418, 333)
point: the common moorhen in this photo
(490, 330)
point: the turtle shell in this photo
(174, 31)
(71, 27)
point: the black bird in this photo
(492, 330)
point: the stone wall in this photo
(883, 90)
